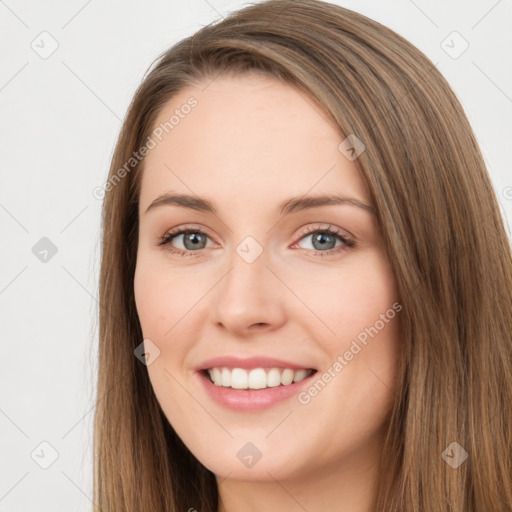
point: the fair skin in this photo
(251, 143)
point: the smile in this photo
(257, 378)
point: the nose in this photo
(249, 298)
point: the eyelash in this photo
(347, 243)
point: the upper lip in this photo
(249, 363)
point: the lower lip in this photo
(251, 399)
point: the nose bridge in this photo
(249, 273)
(246, 295)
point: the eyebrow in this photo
(293, 204)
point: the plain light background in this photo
(61, 115)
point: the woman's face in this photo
(257, 292)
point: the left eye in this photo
(324, 241)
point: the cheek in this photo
(360, 305)
(162, 302)
(161, 299)
(348, 299)
(148, 300)
(358, 378)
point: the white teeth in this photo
(226, 378)
(300, 375)
(287, 377)
(216, 375)
(258, 378)
(273, 378)
(239, 379)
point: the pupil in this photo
(194, 238)
(321, 239)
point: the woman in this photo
(239, 371)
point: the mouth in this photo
(256, 378)
(252, 384)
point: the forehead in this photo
(250, 133)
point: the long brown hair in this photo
(445, 238)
